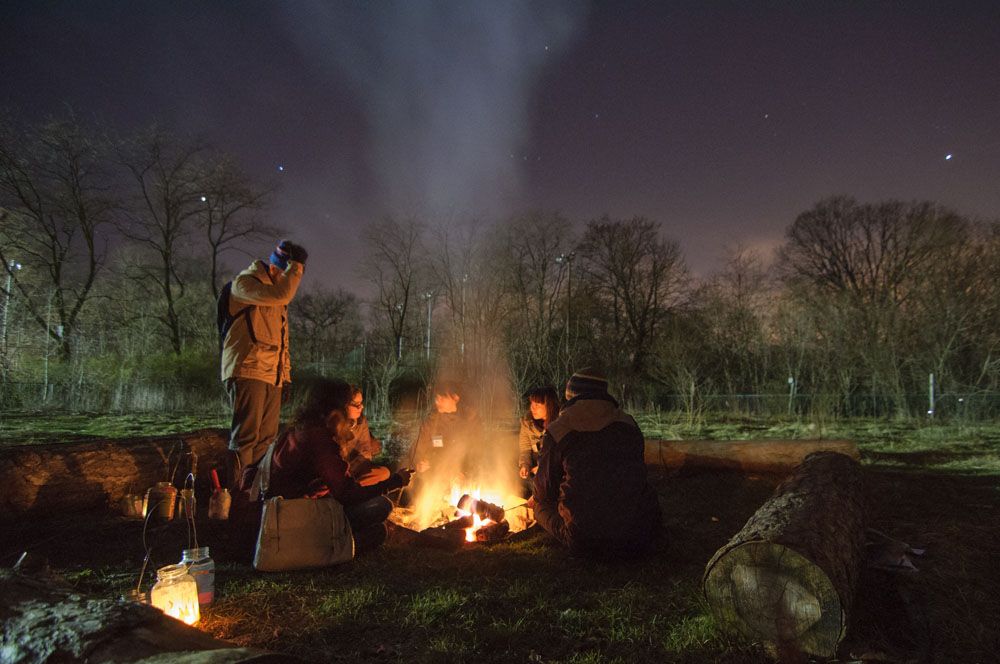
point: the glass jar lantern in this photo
(176, 593)
(160, 500)
(202, 569)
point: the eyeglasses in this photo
(357, 404)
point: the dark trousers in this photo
(367, 521)
(548, 517)
(256, 413)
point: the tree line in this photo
(113, 248)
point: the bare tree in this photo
(326, 321)
(866, 262)
(467, 273)
(395, 264)
(227, 216)
(735, 304)
(169, 177)
(635, 277)
(531, 247)
(58, 199)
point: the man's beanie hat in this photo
(586, 380)
(285, 251)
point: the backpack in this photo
(225, 320)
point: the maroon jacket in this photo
(305, 460)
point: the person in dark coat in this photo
(308, 460)
(591, 491)
(451, 437)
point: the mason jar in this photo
(176, 593)
(202, 569)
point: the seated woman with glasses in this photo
(363, 447)
(309, 459)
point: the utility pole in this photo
(399, 336)
(11, 266)
(465, 278)
(930, 395)
(429, 296)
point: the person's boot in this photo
(369, 538)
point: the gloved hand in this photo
(404, 475)
(296, 252)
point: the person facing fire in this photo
(450, 438)
(363, 447)
(308, 460)
(590, 491)
(542, 407)
(255, 364)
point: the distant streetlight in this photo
(11, 266)
(465, 279)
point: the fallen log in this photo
(44, 622)
(761, 456)
(40, 480)
(788, 577)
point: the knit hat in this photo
(586, 380)
(286, 251)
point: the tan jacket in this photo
(257, 344)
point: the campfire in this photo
(465, 515)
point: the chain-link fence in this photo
(126, 397)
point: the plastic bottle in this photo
(202, 569)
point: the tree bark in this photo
(761, 456)
(41, 480)
(43, 622)
(788, 577)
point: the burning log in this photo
(788, 577)
(493, 531)
(481, 508)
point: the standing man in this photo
(591, 491)
(253, 317)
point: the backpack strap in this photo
(226, 320)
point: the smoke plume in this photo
(445, 88)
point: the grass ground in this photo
(526, 601)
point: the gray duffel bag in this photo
(298, 533)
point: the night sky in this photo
(721, 120)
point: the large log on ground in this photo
(52, 478)
(761, 456)
(788, 577)
(43, 622)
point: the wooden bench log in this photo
(760, 456)
(44, 622)
(54, 478)
(788, 577)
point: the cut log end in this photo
(766, 590)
